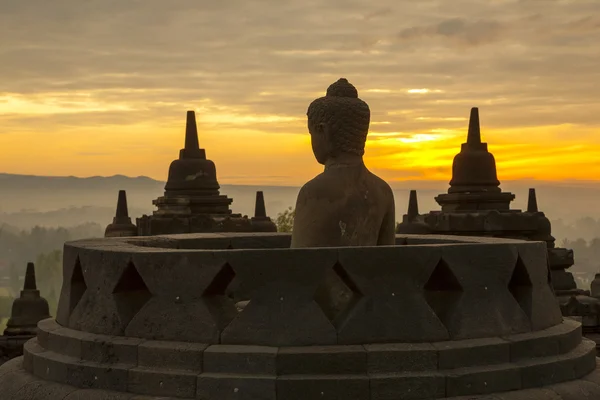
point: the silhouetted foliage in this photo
(285, 220)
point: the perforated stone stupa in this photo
(192, 202)
(476, 206)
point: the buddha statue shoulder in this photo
(345, 205)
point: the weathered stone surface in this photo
(391, 358)
(171, 355)
(484, 273)
(252, 360)
(407, 386)
(322, 360)
(234, 387)
(484, 380)
(162, 382)
(281, 311)
(390, 285)
(472, 352)
(336, 387)
(577, 390)
(85, 374)
(110, 349)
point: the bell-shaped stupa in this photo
(121, 225)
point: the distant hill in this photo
(67, 201)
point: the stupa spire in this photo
(30, 282)
(413, 206)
(532, 206)
(474, 133)
(192, 145)
(122, 211)
(259, 208)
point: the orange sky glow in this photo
(101, 88)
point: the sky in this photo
(101, 87)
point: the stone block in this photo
(322, 360)
(30, 350)
(572, 335)
(44, 328)
(66, 341)
(14, 381)
(110, 349)
(171, 355)
(483, 380)
(333, 387)
(533, 344)
(236, 387)
(546, 371)
(584, 359)
(388, 282)
(527, 394)
(281, 311)
(393, 358)
(51, 366)
(229, 359)
(408, 386)
(485, 273)
(85, 374)
(472, 352)
(162, 382)
(94, 394)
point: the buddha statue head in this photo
(338, 122)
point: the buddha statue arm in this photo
(387, 232)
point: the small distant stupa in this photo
(260, 221)
(192, 202)
(27, 310)
(121, 225)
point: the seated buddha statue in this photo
(345, 205)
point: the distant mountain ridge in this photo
(93, 199)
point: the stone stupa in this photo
(121, 225)
(191, 202)
(27, 310)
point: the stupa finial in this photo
(259, 208)
(474, 134)
(413, 206)
(30, 282)
(192, 145)
(122, 211)
(532, 205)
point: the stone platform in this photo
(432, 317)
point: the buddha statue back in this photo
(345, 205)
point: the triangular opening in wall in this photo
(520, 287)
(130, 293)
(443, 291)
(78, 286)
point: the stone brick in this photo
(483, 380)
(333, 387)
(236, 387)
(30, 350)
(322, 360)
(391, 358)
(85, 374)
(253, 360)
(44, 328)
(171, 355)
(42, 390)
(572, 335)
(66, 341)
(162, 382)
(408, 386)
(472, 352)
(577, 390)
(51, 366)
(110, 349)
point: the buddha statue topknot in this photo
(346, 205)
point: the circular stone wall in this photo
(432, 317)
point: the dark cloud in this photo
(524, 62)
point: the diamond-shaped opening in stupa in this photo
(442, 292)
(337, 293)
(220, 293)
(130, 293)
(78, 286)
(520, 286)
